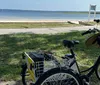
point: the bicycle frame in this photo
(91, 69)
(74, 62)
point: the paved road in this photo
(44, 30)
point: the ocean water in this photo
(25, 14)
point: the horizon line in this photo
(45, 10)
(41, 10)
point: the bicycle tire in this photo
(97, 71)
(23, 73)
(50, 74)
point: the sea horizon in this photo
(7, 14)
(45, 10)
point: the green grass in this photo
(35, 24)
(42, 24)
(12, 46)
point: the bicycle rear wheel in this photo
(98, 71)
(25, 76)
(59, 76)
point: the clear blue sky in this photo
(53, 5)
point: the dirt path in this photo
(43, 30)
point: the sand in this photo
(41, 20)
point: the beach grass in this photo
(35, 24)
(13, 45)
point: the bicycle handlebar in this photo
(86, 32)
(97, 20)
(91, 31)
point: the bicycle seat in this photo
(97, 20)
(69, 44)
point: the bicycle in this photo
(55, 76)
(70, 74)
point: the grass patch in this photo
(12, 46)
(35, 24)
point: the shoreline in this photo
(42, 20)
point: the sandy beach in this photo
(41, 20)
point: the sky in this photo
(50, 5)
